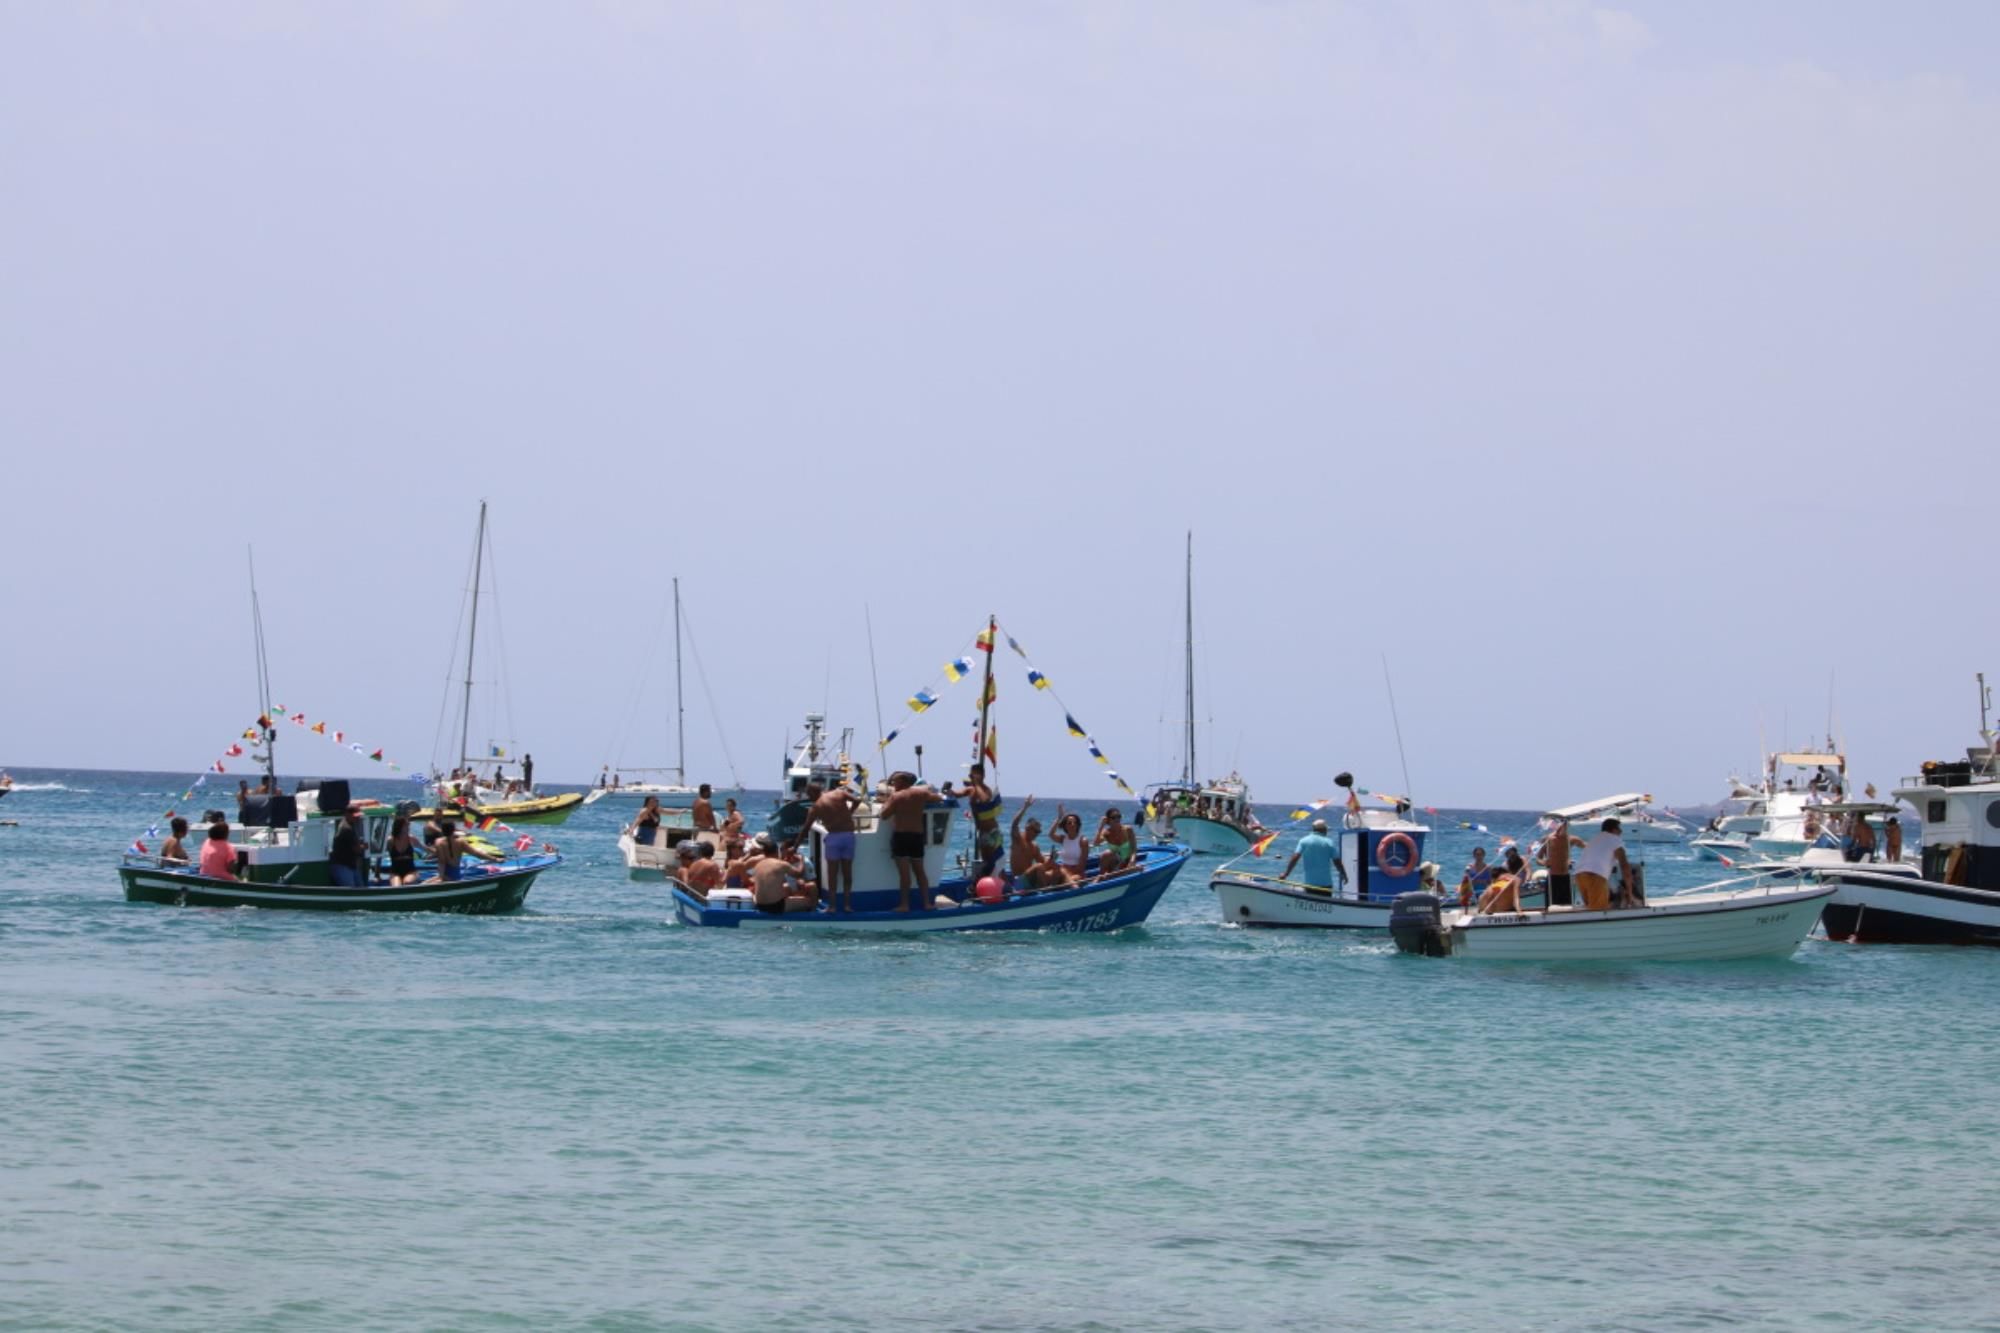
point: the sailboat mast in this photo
(263, 679)
(986, 691)
(680, 709)
(1188, 768)
(472, 638)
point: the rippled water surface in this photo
(585, 1116)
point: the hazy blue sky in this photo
(1622, 374)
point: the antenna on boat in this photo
(875, 679)
(680, 709)
(1408, 794)
(263, 677)
(472, 638)
(1985, 704)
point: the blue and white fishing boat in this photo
(1381, 857)
(953, 897)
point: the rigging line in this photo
(450, 665)
(615, 751)
(1408, 794)
(505, 689)
(875, 679)
(715, 717)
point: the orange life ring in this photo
(1382, 862)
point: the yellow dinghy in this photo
(522, 810)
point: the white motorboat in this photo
(1756, 916)
(1380, 854)
(1638, 822)
(1952, 894)
(1796, 784)
(1210, 818)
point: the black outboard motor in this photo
(1416, 923)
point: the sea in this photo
(584, 1116)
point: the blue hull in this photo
(1126, 899)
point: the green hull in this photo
(478, 894)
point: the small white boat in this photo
(1721, 847)
(660, 857)
(1758, 916)
(1637, 821)
(1380, 854)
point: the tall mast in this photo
(680, 710)
(263, 681)
(1188, 768)
(472, 638)
(986, 690)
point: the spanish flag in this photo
(992, 692)
(993, 746)
(319, 728)
(1257, 847)
(1353, 802)
(986, 641)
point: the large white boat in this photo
(1796, 784)
(1952, 894)
(1210, 818)
(1637, 820)
(1381, 852)
(1756, 916)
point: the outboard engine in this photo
(1416, 923)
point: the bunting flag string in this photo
(1040, 681)
(954, 671)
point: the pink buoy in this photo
(990, 890)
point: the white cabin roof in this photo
(1601, 805)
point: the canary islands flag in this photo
(1075, 727)
(1037, 679)
(919, 701)
(958, 668)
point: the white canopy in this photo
(1604, 805)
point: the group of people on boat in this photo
(1603, 876)
(467, 784)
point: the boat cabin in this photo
(1381, 853)
(1958, 803)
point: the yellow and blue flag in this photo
(958, 668)
(1037, 679)
(921, 700)
(1075, 727)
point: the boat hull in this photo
(1250, 899)
(1124, 900)
(1872, 906)
(1699, 928)
(478, 894)
(1721, 849)
(1209, 837)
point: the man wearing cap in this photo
(1317, 851)
(1593, 869)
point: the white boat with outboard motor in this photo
(1952, 894)
(1380, 852)
(1767, 914)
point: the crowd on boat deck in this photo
(1203, 806)
(465, 783)
(1010, 862)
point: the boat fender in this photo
(1396, 869)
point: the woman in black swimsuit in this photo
(402, 852)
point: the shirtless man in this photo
(704, 811)
(834, 812)
(1555, 855)
(705, 873)
(772, 881)
(903, 812)
(732, 819)
(173, 849)
(1025, 862)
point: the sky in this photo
(1616, 383)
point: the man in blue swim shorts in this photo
(833, 811)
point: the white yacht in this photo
(1633, 811)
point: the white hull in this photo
(1715, 849)
(1778, 849)
(1656, 831)
(657, 859)
(1207, 837)
(1260, 900)
(1696, 927)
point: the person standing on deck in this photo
(1601, 855)
(834, 812)
(349, 861)
(903, 812)
(984, 807)
(1317, 850)
(528, 774)
(704, 811)
(1555, 855)
(1892, 838)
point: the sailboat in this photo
(491, 792)
(612, 785)
(1212, 818)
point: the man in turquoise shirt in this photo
(1317, 851)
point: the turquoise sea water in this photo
(584, 1116)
